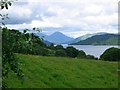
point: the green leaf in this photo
(2, 18)
(3, 24)
(34, 28)
(1, 15)
(10, 3)
(6, 6)
(25, 31)
(2, 7)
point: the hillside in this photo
(57, 37)
(106, 39)
(60, 72)
(84, 37)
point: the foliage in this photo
(63, 72)
(51, 46)
(60, 52)
(5, 3)
(81, 54)
(111, 54)
(9, 60)
(91, 57)
(25, 43)
(17, 42)
(59, 47)
(71, 51)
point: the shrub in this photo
(72, 52)
(81, 54)
(59, 47)
(61, 53)
(91, 57)
(111, 54)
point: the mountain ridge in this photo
(60, 38)
(56, 37)
(106, 39)
(84, 37)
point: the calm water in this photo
(90, 49)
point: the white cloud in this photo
(19, 26)
(88, 15)
(102, 19)
(36, 23)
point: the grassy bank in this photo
(60, 72)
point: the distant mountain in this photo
(56, 38)
(80, 38)
(84, 37)
(41, 35)
(105, 39)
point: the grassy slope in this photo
(56, 72)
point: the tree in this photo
(59, 47)
(60, 52)
(72, 52)
(9, 60)
(91, 57)
(111, 54)
(81, 54)
(51, 46)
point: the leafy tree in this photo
(51, 46)
(72, 52)
(111, 54)
(60, 52)
(16, 42)
(91, 57)
(9, 60)
(26, 43)
(81, 54)
(59, 47)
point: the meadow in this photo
(64, 72)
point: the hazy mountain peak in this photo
(57, 33)
(58, 38)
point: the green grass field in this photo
(60, 72)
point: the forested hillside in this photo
(106, 39)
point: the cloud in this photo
(36, 23)
(72, 17)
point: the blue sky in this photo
(71, 17)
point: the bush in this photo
(51, 46)
(91, 57)
(111, 54)
(72, 52)
(59, 47)
(81, 54)
(61, 53)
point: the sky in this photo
(71, 17)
